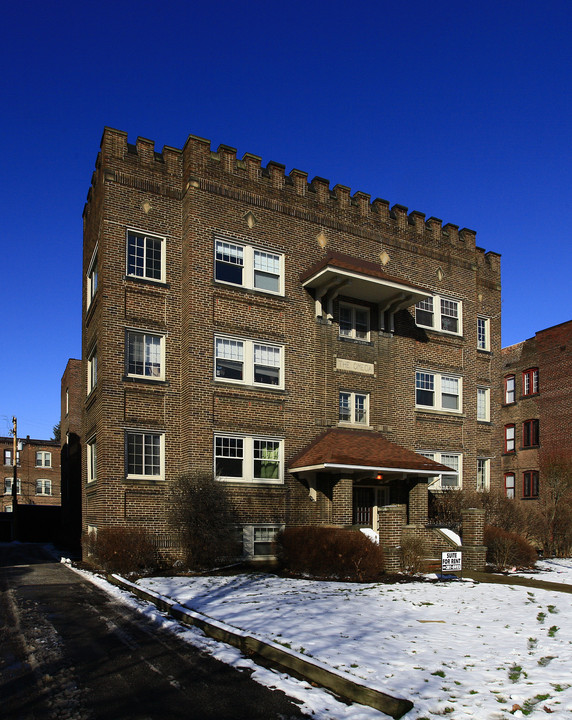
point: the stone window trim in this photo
(248, 459)
(145, 256)
(257, 540)
(483, 473)
(436, 391)
(440, 313)
(242, 264)
(483, 404)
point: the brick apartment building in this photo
(330, 358)
(536, 414)
(70, 441)
(38, 472)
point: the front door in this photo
(366, 500)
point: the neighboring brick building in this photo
(71, 411)
(38, 472)
(242, 320)
(537, 409)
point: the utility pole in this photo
(15, 478)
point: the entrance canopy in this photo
(345, 450)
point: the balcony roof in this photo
(362, 280)
(341, 449)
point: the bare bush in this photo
(551, 514)
(202, 516)
(330, 553)
(413, 554)
(508, 549)
(122, 550)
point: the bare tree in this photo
(551, 516)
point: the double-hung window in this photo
(145, 455)
(440, 313)
(530, 484)
(483, 333)
(354, 408)
(145, 256)
(509, 438)
(454, 461)
(92, 370)
(239, 458)
(530, 381)
(43, 487)
(249, 362)
(509, 485)
(91, 460)
(92, 277)
(249, 267)
(437, 391)
(8, 483)
(483, 404)
(145, 355)
(7, 457)
(483, 473)
(354, 322)
(530, 433)
(509, 389)
(43, 459)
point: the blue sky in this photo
(462, 111)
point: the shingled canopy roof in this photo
(344, 449)
(361, 279)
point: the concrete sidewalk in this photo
(500, 579)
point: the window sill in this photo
(250, 482)
(446, 413)
(355, 426)
(147, 281)
(483, 351)
(484, 422)
(145, 380)
(265, 388)
(355, 341)
(444, 333)
(529, 447)
(250, 291)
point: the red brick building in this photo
(537, 408)
(38, 472)
(326, 355)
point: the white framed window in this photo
(8, 482)
(43, 487)
(483, 333)
(145, 355)
(7, 457)
(354, 408)
(452, 460)
(241, 458)
(438, 391)
(145, 454)
(354, 322)
(483, 404)
(483, 473)
(92, 370)
(509, 389)
(530, 381)
(92, 278)
(258, 540)
(242, 264)
(145, 256)
(43, 459)
(440, 313)
(91, 460)
(67, 401)
(509, 438)
(509, 485)
(249, 362)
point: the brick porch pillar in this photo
(419, 503)
(474, 551)
(392, 520)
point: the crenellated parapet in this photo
(198, 166)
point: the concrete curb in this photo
(314, 671)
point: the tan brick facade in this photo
(322, 307)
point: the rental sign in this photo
(451, 561)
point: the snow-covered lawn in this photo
(457, 649)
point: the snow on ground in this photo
(456, 649)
